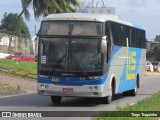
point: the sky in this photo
(143, 12)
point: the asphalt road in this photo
(33, 102)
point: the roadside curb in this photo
(17, 95)
(152, 74)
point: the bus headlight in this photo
(46, 86)
(42, 86)
(95, 87)
(90, 88)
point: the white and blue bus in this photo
(90, 55)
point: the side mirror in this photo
(104, 45)
(102, 58)
(99, 47)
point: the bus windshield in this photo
(85, 52)
(70, 55)
(71, 28)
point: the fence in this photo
(10, 43)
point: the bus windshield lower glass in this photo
(70, 55)
(53, 53)
(84, 54)
(71, 28)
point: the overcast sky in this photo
(143, 12)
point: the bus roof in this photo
(90, 17)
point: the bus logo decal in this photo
(131, 64)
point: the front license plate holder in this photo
(67, 89)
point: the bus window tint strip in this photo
(71, 28)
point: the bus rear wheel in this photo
(126, 93)
(134, 91)
(56, 99)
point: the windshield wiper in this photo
(80, 66)
(66, 74)
(61, 59)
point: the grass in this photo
(9, 89)
(148, 104)
(24, 69)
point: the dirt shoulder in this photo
(29, 86)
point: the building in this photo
(150, 45)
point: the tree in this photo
(149, 55)
(83, 6)
(156, 52)
(25, 5)
(157, 39)
(46, 7)
(14, 25)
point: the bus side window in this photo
(139, 39)
(122, 35)
(115, 33)
(129, 36)
(134, 41)
(144, 39)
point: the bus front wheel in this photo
(108, 99)
(56, 99)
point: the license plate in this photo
(67, 89)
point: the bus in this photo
(90, 55)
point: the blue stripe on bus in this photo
(72, 80)
(76, 80)
(138, 26)
(130, 84)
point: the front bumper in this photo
(77, 91)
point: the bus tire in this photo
(126, 93)
(134, 91)
(56, 99)
(108, 99)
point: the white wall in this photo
(3, 55)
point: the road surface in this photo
(33, 102)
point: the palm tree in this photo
(46, 7)
(25, 5)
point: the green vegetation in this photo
(14, 25)
(157, 39)
(9, 89)
(24, 69)
(46, 7)
(156, 52)
(148, 104)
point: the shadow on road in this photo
(83, 102)
(45, 101)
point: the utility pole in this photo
(35, 29)
(104, 3)
(92, 3)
